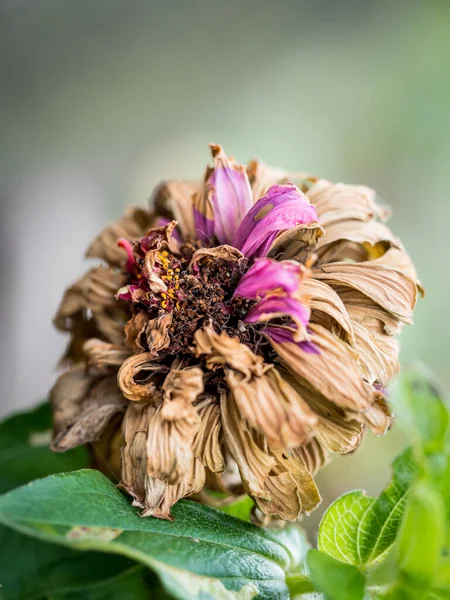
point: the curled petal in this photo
(225, 252)
(283, 207)
(221, 349)
(83, 407)
(157, 333)
(273, 307)
(313, 456)
(283, 335)
(139, 378)
(174, 200)
(273, 407)
(101, 354)
(267, 275)
(208, 440)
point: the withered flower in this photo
(241, 330)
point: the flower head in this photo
(240, 333)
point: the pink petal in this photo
(267, 275)
(282, 208)
(274, 307)
(283, 336)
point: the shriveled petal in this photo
(173, 200)
(131, 226)
(221, 349)
(262, 177)
(267, 275)
(225, 252)
(161, 496)
(135, 331)
(391, 289)
(140, 379)
(101, 354)
(341, 201)
(335, 430)
(313, 456)
(378, 417)
(333, 371)
(157, 333)
(134, 453)
(274, 307)
(83, 406)
(92, 298)
(328, 310)
(378, 353)
(283, 207)
(273, 407)
(208, 440)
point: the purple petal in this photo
(282, 208)
(204, 227)
(274, 307)
(282, 336)
(267, 275)
(230, 193)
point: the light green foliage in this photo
(335, 579)
(358, 529)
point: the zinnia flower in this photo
(241, 330)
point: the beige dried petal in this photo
(293, 242)
(160, 496)
(174, 425)
(83, 406)
(262, 177)
(399, 259)
(174, 200)
(378, 354)
(208, 440)
(104, 355)
(135, 330)
(341, 201)
(140, 379)
(95, 293)
(131, 226)
(272, 407)
(157, 332)
(313, 456)
(224, 252)
(254, 464)
(134, 451)
(221, 349)
(334, 371)
(328, 310)
(391, 289)
(335, 430)
(378, 417)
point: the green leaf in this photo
(203, 554)
(24, 451)
(30, 568)
(358, 529)
(240, 509)
(421, 409)
(334, 579)
(420, 541)
(441, 588)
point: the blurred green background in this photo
(102, 99)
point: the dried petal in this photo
(208, 440)
(140, 379)
(274, 307)
(173, 200)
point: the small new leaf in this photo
(334, 579)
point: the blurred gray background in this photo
(101, 99)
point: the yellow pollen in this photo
(163, 294)
(164, 304)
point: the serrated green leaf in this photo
(334, 579)
(24, 451)
(358, 529)
(203, 554)
(30, 569)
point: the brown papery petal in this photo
(272, 407)
(378, 353)
(135, 331)
(328, 310)
(334, 371)
(157, 331)
(369, 233)
(341, 201)
(392, 290)
(83, 406)
(208, 440)
(104, 355)
(293, 242)
(174, 200)
(378, 417)
(313, 456)
(221, 349)
(139, 378)
(131, 226)
(224, 252)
